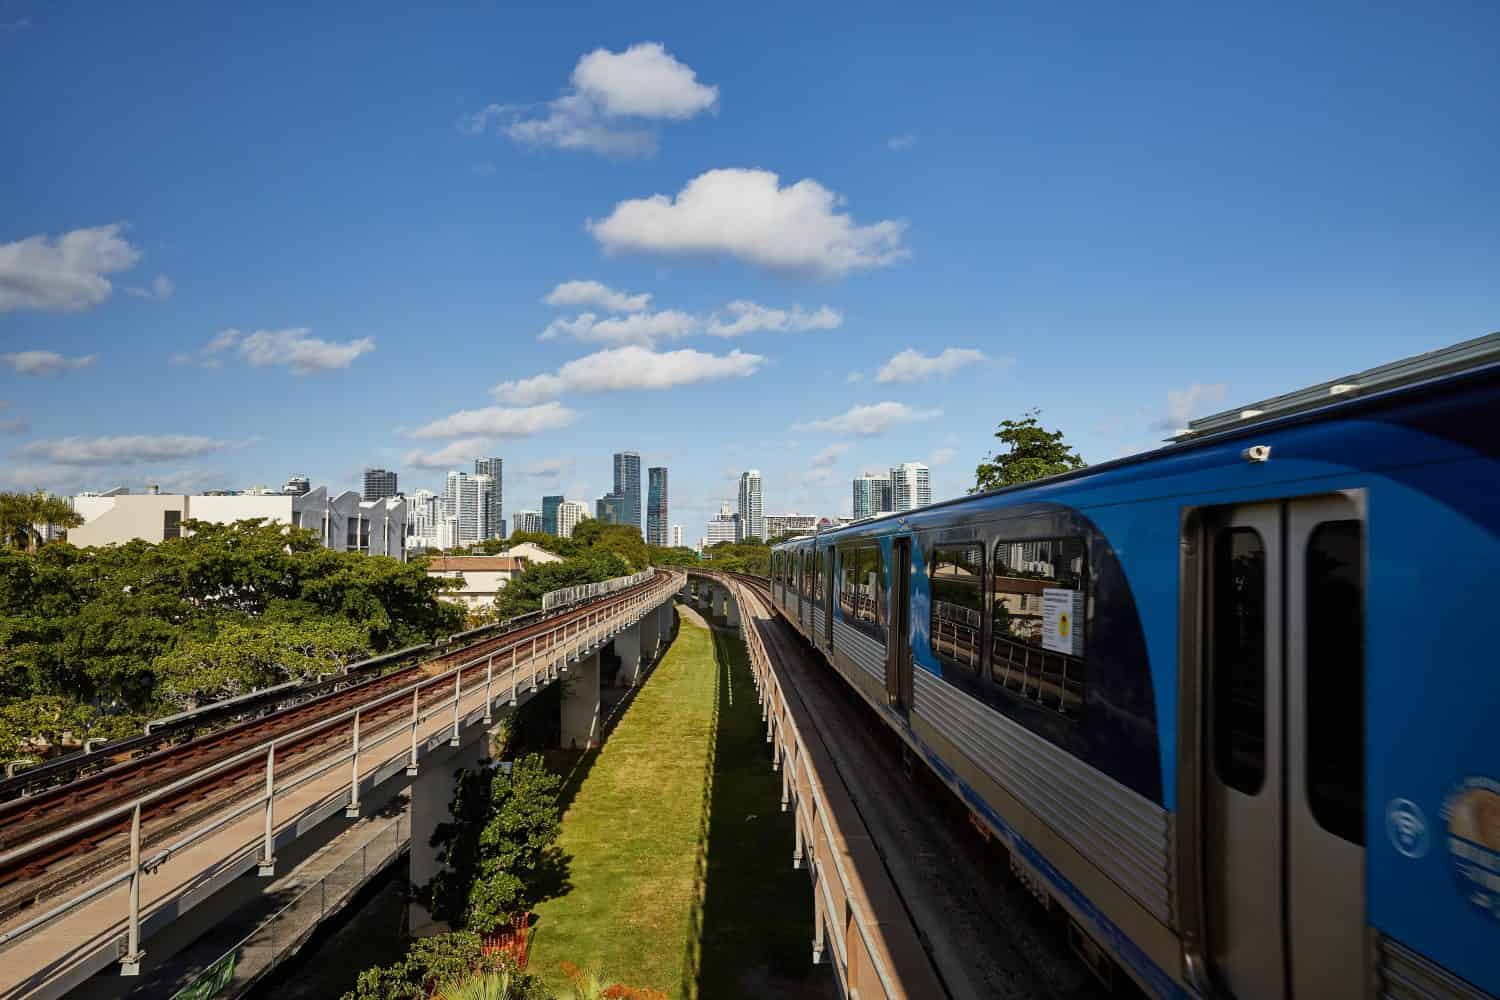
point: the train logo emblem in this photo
(1472, 810)
(1407, 827)
(1063, 625)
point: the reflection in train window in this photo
(1035, 653)
(862, 589)
(956, 575)
(1335, 675)
(1237, 658)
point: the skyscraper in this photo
(628, 485)
(569, 515)
(656, 506)
(297, 486)
(751, 511)
(494, 468)
(676, 536)
(549, 513)
(528, 520)
(609, 509)
(725, 527)
(872, 495)
(911, 486)
(379, 484)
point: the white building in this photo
(480, 577)
(423, 519)
(471, 499)
(782, 524)
(911, 486)
(751, 511)
(495, 519)
(533, 553)
(570, 514)
(725, 527)
(529, 520)
(872, 495)
(344, 523)
(676, 536)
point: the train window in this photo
(817, 576)
(1040, 588)
(776, 566)
(862, 589)
(807, 573)
(1237, 659)
(956, 576)
(1335, 677)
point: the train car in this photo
(1231, 704)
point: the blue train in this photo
(1234, 704)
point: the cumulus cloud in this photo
(642, 328)
(830, 455)
(914, 366)
(64, 272)
(869, 420)
(609, 107)
(583, 294)
(458, 453)
(748, 214)
(551, 468)
(747, 317)
(632, 367)
(499, 422)
(1184, 404)
(45, 362)
(122, 450)
(160, 289)
(295, 348)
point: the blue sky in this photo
(235, 245)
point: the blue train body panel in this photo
(1427, 465)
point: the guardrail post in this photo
(411, 762)
(818, 909)
(797, 851)
(786, 788)
(130, 962)
(268, 847)
(489, 678)
(515, 672)
(351, 811)
(457, 679)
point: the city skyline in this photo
(206, 300)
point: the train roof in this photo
(1321, 401)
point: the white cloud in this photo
(45, 362)
(458, 453)
(749, 215)
(901, 143)
(500, 422)
(66, 272)
(642, 328)
(830, 455)
(582, 294)
(160, 290)
(748, 317)
(869, 420)
(123, 450)
(611, 93)
(294, 348)
(1184, 404)
(913, 366)
(632, 367)
(551, 468)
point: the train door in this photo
(1283, 747)
(830, 586)
(898, 678)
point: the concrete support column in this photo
(721, 602)
(580, 704)
(431, 793)
(731, 610)
(664, 626)
(650, 636)
(628, 647)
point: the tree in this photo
(523, 594)
(1031, 452)
(21, 513)
(502, 828)
(241, 656)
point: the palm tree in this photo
(20, 513)
(484, 986)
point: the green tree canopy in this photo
(1030, 452)
(22, 513)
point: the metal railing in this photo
(530, 659)
(889, 963)
(260, 951)
(588, 591)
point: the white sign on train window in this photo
(1062, 620)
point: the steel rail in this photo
(581, 633)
